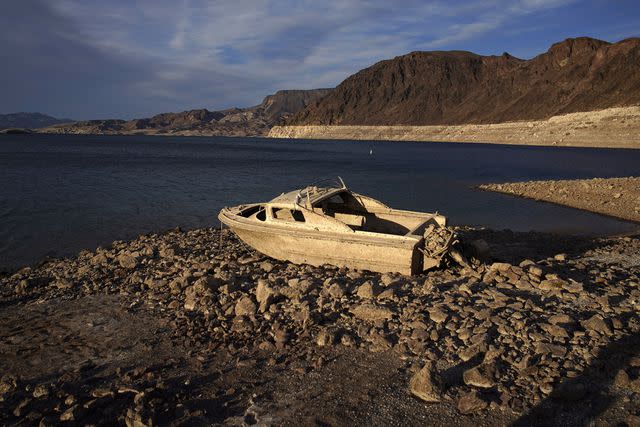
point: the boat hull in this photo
(359, 252)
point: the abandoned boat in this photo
(332, 225)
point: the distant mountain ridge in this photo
(28, 120)
(456, 87)
(252, 121)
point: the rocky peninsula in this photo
(194, 327)
(616, 197)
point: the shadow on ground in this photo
(605, 386)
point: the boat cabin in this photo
(339, 210)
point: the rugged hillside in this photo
(252, 121)
(434, 88)
(28, 120)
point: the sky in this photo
(85, 59)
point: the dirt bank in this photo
(189, 328)
(617, 197)
(613, 127)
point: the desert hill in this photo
(456, 87)
(28, 120)
(252, 121)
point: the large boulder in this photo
(426, 384)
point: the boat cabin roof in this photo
(306, 197)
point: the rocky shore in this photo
(612, 127)
(194, 327)
(616, 197)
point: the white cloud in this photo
(223, 53)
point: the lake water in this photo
(60, 194)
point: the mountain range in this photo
(28, 120)
(457, 87)
(419, 88)
(251, 121)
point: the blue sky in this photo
(133, 58)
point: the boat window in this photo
(288, 215)
(250, 211)
(298, 216)
(257, 211)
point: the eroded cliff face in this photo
(613, 127)
(451, 88)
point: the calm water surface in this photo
(60, 194)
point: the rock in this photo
(551, 284)
(526, 263)
(573, 287)
(134, 419)
(546, 348)
(167, 252)
(437, 314)
(368, 290)
(469, 353)
(74, 413)
(40, 391)
(281, 336)
(371, 313)
(596, 324)
(7, 383)
(535, 270)
(266, 266)
(380, 340)
(21, 288)
(560, 318)
(622, 380)
(99, 259)
(480, 376)
(426, 384)
(389, 293)
(546, 388)
(62, 284)
(560, 257)
(20, 410)
(326, 337)
(190, 302)
(336, 290)
(470, 403)
(389, 279)
(633, 421)
(207, 283)
(127, 261)
(554, 330)
(502, 267)
(245, 307)
(264, 294)
(348, 340)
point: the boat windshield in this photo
(319, 189)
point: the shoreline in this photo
(156, 327)
(612, 197)
(610, 128)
